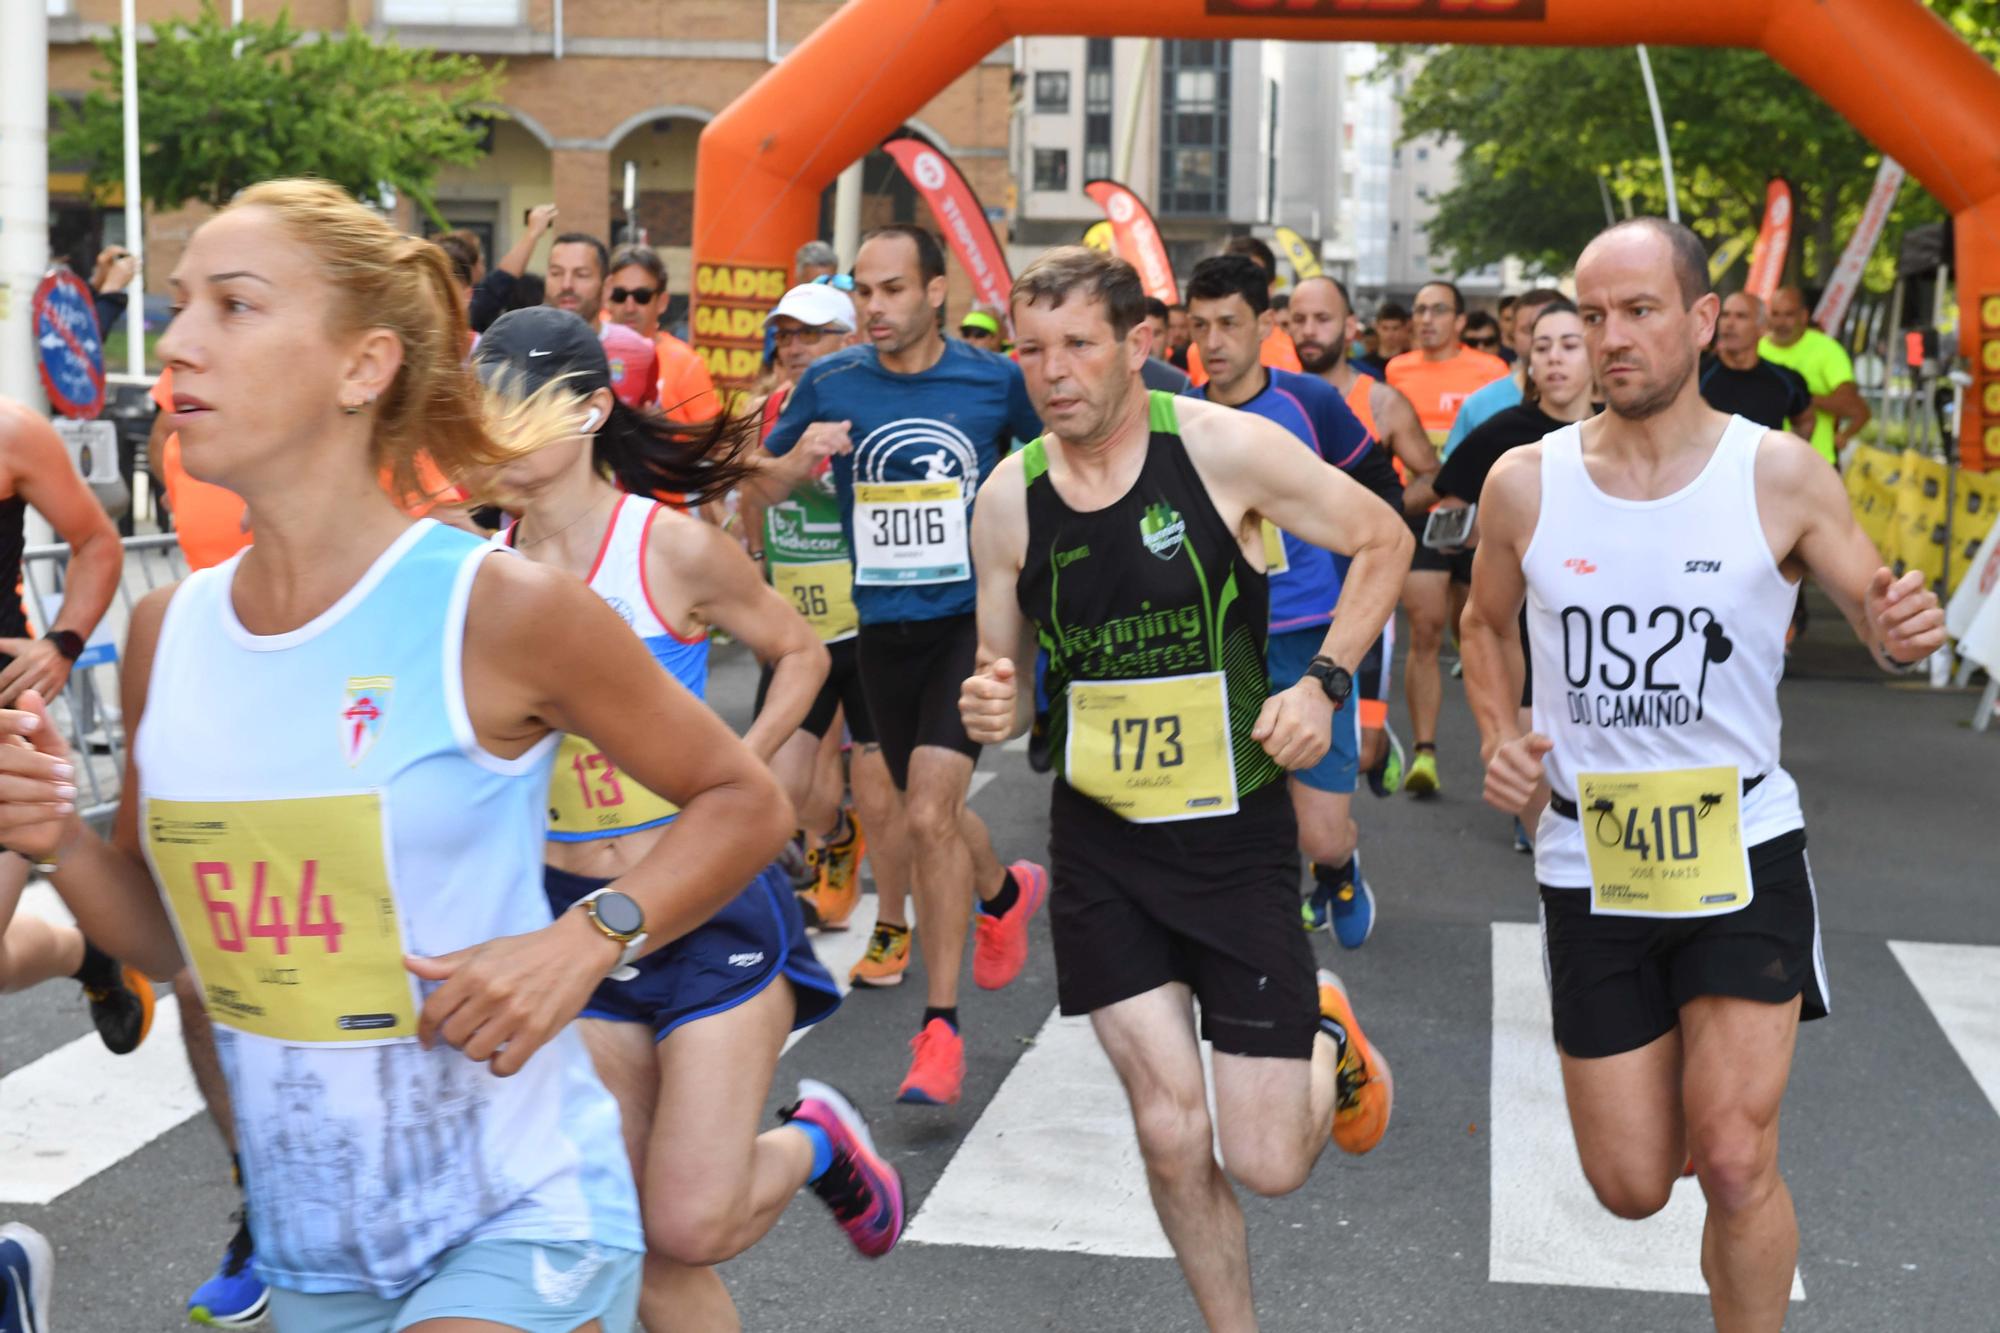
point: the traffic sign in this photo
(67, 345)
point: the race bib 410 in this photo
(1665, 844)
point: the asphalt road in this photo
(1891, 1147)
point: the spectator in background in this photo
(1840, 411)
(982, 330)
(1159, 373)
(578, 266)
(1509, 350)
(1281, 310)
(637, 297)
(495, 294)
(1482, 332)
(112, 274)
(1508, 390)
(468, 261)
(1739, 381)
(815, 260)
(1180, 337)
(1392, 338)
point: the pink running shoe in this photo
(864, 1191)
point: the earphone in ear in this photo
(590, 422)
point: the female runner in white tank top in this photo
(332, 806)
(690, 1042)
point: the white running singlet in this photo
(1657, 629)
(327, 791)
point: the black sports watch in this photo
(67, 641)
(1336, 680)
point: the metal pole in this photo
(24, 196)
(847, 213)
(1132, 112)
(1660, 133)
(135, 221)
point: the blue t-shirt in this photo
(952, 422)
(1314, 411)
(1480, 408)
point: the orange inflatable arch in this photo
(1894, 69)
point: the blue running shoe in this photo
(235, 1297)
(1316, 912)
(1522, 843)
(27, 1270)
(1353, 910)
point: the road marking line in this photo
(80, 1110)
(1052, 1163)
(1955, 982)
(1547, 1227)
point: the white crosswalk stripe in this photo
(80, 1110)
(1956, 982)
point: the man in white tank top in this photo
(1658, 549)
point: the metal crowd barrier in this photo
(88, 711)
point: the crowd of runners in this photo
(488, 933)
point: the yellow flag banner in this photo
(1911, 506)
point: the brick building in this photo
(621, 80)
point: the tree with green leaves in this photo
(223, 107)
(1553, 138)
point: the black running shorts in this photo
(1618, 982)
(912, 672)
(841, 693)
(1213, 903)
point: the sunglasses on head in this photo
(840, 282)
(640, 294)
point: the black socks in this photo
(949, 1015)
(1003, 901)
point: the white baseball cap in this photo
(817, 304)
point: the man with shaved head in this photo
(1657, 547)
(1740, 381)
(1840, 409)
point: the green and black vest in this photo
(1154, 584)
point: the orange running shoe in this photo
(121, 1001)
(1000, 950)
(888, 957)
(840, 876)
(1364, 1090)
(937, 1066)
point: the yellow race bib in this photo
(286, 910)
(590, 798)
(1665, 844)
(1276, 561)
(822, 592)
(1153, 751)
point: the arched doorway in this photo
(661, 146)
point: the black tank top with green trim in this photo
(1154, 584)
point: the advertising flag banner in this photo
(1136, 238)
(959, 212)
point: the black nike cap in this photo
(525, 349)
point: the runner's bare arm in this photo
(542, 653)
(728, 591)
(1404, 435)
(1489, 633)
(1806, 514)
(107, 885)
(778, 475)
(997, 702)
(45, 478)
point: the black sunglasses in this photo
(640, 294)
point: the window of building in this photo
(1097, 109)
(1423, 155)
(450, 11)
(1052, 168)
(59, 9)
(1194, 129)
(1052, 90)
